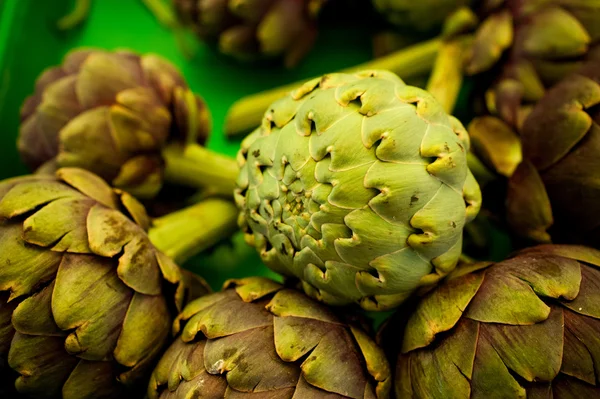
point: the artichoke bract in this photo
(250, 30)
(257, 338)
(86, 301)
(357, 185)
(111, 113)
(524, 327)
(421, 15)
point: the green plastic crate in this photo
(29, 43)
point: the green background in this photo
(29, 43)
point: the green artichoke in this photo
(111, 113)
(86, 301)
(423, 15)
(524, 327)
(257, 338)
(254, 29)
(357, 185)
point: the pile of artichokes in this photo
(359, 191)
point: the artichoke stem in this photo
(246, 113)
(187, 232)
(197, 167)
(447, 75)
(79, 14)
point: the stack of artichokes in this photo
(358, 192)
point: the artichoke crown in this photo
(86, 299)
(523, 327)
(119, 103)
(259, 338)
(254, 29)
(357, 185)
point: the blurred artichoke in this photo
(358, 185)
(539, 42)
(551, 161)
(422, 16)
(254, 29)
(524, 327)
(257, 338)
(113, 113)
(86, 300)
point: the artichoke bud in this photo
(251, 30)
(559, 142)
(258, 338)
(358, 185)
(523, 327)
(550, 65)
(87, 300)
(551, 36)
(118, 103)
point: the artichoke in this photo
(539, 42)
(421, 16)
(113, 113)
(257, 338)
(357, 185)
(551, 161)
(525, 327)
(86, 301)
(254, 29)
(558, 183)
